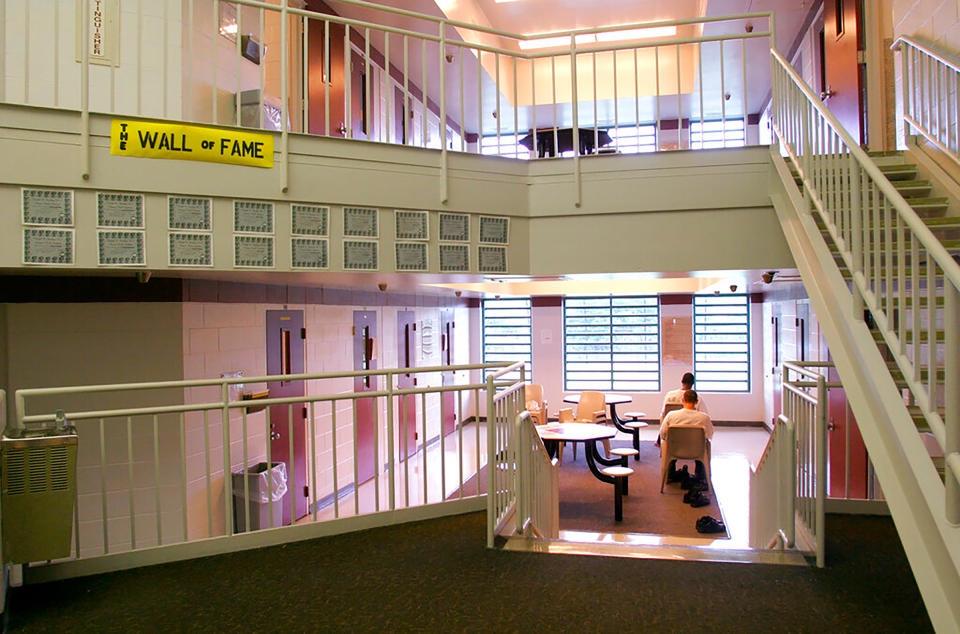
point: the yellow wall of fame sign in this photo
(190, 143)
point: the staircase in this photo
(878, 256)
(933, 211)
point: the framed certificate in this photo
(47, 246)
(119, 210)
(492, 259)
(360, 222)
(412, 225)
(309, 220)
(360, 255)
(411, 256)
(191, 214)
(120, 248)
(454, 227)
(190, 249)
(494, 229)
(253, 251)
(251, 216)
(47, 207)
(308, 253)
(454, 258)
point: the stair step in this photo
(934, 222)
(924, 336)
(924, 374)
(897, 172)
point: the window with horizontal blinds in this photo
(612, 343)
(506, 334)
(717, 134)
(721, 342)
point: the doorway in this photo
(285, 346)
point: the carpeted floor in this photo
(439, 576)
(586, 503)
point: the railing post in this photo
(904, 90)
(856, 228)
(492, 494)
(444, 193)
(578, 182)
(227, 478)
(821, 467)
(391, 454)
(284, 102)
(85, 95)
(951, 388)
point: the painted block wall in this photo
(149, 45)
(51, 345)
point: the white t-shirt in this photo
(676, 396)
(687, 417)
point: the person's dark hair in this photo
(691, 397)
(687, 380)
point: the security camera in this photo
(768, 277)
(458, 293)
(716, 292)
(733, 288)
(748, 28)
(382, 286)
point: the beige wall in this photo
(53, 345)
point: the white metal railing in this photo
(900, 270)
(930, 94)
(804, 403)
(538, 495)
(773, 486)
(157, 473)
(433, 82)
(505, 405)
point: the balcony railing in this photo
(389, 75)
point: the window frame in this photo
(611, 376)
(528, 362)
(749, 353)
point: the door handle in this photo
(826, 94)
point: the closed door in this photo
(285, 339)
(448, 401)
(843, 74)
(407, 404)
(364, 358)
(846, 450)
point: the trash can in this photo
(263, 485)
(39, 467)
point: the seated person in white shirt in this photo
(676, 396)
(688, 416)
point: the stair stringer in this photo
(913, 489)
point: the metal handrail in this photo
(906, 39)
(951, 269)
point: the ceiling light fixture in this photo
(608, 36)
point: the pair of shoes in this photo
(707, 524)
(697, 500)
(679, 475)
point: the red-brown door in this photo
(844, 439)
(285, 338)
(406, 404)
(359, 115)
(842, 38)
(364, 358)
(448, 404)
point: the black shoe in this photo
(707, 524)
(691, 494)
(700, 500)
(678, 475)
